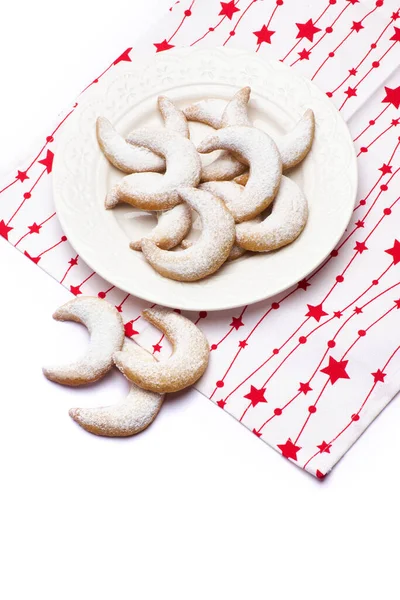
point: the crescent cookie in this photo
(134, 159)
(107, 334)
(227, 166)
(209, 252)
(294, 146)
(187, 363)
(208, 112)
(124, 156)
(172, 227)
(152, 191)
(129, 416)
(261, 154)
(174, 119)
(235, 112)
(285, 223)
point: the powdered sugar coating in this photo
(229, 192)
(227, 166)
(187, 363)
(295, 145)
(208, 112)
(174, 118)
(129, 416)
(285, 223)
(121, 154)
(235, 112)
(235, 253)
(152, 191)
(223, 168)
(208, 253)
(260, 152)
(173, 225)
(106, 330)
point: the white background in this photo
(195, 507)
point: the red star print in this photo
(324, 447)
(289, 450)
(4, 230)
(48, 161)
(395, 122)
(397, 303)
(119, 308)
(336, 370)
(392, 96)
(256, 395)
(304, 54)
(358, 310)
(357, 26)
(264, 35)
(129, 331)
(396, 36)
(243, 344)
(316, 312)
(359, 224)
(21, 175)
(395, 252)
(395, 15)
(360, 247)
(34, 259)
(338, 314)
(305, 388)
(124, 57)
(156, 348)
(307, 30)
(76, 290)
(34, 228)
(353, 71)
(228, 9)
(385, 169)
(303, 284)
(351, 92)
(236, 323)
(163, 46)
(73, 262)
(221, 403)
(257, 433)
(378, 376)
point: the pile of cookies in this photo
(243, 200)
(150, 380)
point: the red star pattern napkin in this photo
(306, 371)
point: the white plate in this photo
(128, 98)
